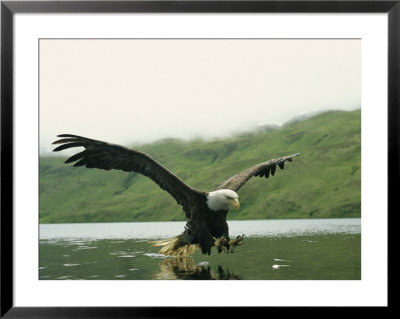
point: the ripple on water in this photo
(118, 252)
(154, 255)
(203, 263)
(275, 267)
(85, 247)
(71, 265)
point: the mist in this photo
(135, 91)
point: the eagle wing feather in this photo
(103, 155)
(264, 169)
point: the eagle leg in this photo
(236, 242)
(206, 241)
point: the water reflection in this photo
(222, 274)
(185, 268)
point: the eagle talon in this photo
(222, 244)
(236, 242)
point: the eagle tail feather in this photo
(174, 246)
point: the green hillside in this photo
(323, 182)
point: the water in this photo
(311, 249)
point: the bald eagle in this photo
(206, 211)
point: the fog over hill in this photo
(46, 150)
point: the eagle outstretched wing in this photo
(107, 156)
(262, 169)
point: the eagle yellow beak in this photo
(235, 204)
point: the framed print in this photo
(128, 128)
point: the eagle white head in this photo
(223, 199)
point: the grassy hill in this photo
(324, 181)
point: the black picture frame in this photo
(9, 8)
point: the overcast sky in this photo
(137, 91)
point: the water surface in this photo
(273, 249)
